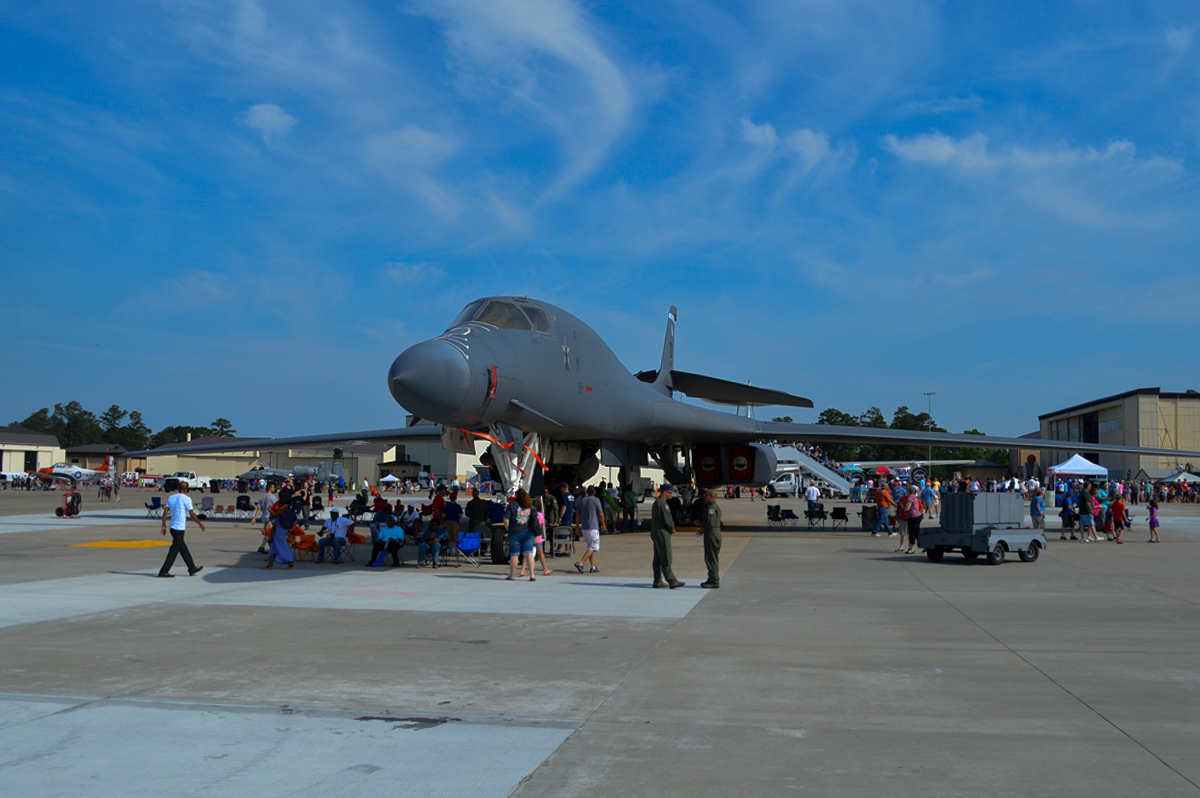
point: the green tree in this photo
(110, 421)
(39, 421)
(177, 435)
(79, 426)
(223, 428)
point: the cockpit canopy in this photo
(506, 315)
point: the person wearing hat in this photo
(662, 526)
(334, 535)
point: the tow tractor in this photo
(988, 524)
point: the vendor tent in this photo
(389, 479)
(1078, 466)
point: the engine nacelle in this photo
(752, 464)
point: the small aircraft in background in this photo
(555, 403)
(73, 473)
(321, 473)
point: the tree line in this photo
(903, 419)
(75, 426)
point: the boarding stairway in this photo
(814, 469)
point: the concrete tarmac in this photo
(825, 665)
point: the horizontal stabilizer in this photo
(727, 392)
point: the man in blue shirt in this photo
(567, 517)
(928, 495)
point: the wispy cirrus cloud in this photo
(555, 65)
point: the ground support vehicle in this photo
(989, 542)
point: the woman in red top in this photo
(910, 512)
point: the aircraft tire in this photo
(499, 546)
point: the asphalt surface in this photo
(826, 664)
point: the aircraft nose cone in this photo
(431, 380)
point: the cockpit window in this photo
(541, 322)
(504, 315)
(467, 313)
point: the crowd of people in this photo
(1091, 508)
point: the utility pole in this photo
(929, 398)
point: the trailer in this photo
(988, 524)
(989, 542)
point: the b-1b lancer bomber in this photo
(554, 402)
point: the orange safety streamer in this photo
(535, 457)
(486, 437)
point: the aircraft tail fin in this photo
(110, 465)
(662, 380)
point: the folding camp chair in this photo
(816, 515)
(317, 508)
(838, 516)
(206, 506)
(774, 517)
(469, 546)
(304, 546)
(788, 518)
(154, 508)
(243, 508)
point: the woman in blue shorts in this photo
(520, 519)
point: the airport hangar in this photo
(1141, 417)
(25, 450)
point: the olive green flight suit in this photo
(710, 526)
(662, 526)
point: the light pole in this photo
(929, 399)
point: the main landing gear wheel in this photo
(935, 555)
(1030, 554)
(996, 555)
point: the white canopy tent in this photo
(389, 479)
(1077, 466)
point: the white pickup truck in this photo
(786, 484)
(200, 483)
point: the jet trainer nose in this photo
(431, 380)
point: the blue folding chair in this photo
(154, 508)
(469, 546)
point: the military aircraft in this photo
(300, 472)
(72, 473)
(554, 402)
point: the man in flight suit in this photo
(662, 526)
(710, 528)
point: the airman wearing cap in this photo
(662, 526)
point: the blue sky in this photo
(247, 209)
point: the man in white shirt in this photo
(334, 535)
(179, 507)
(813, 494)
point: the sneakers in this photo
(579, 567)
(675, 584)
(664, 584)
(594, 571)
(710, 585)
